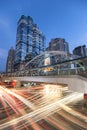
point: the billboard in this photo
(47, 61)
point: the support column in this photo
(85, 103)
(18, 84)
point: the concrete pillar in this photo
(85, 103)
(18, 84)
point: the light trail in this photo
(8, 115)
(33, 105)
(26, 102)
(42, 111)
(55, 123)
(74, 120)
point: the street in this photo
(42, 107)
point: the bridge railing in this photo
(70, 67)
(54, 71)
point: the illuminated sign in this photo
(47, 61)
(48, 69)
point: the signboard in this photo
(47, 61)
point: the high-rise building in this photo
(29, 40)
(10, 61)
(58, 44)
(80, 51)
(62, 50)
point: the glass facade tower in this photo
(10, 61)
(29, 40)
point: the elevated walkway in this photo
(61, 71)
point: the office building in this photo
(10, 61)
(80, 51)
(58, 44)
(61, 48)
(30, 42)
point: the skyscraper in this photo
(10, 61)
(58, 44)
(29, 40)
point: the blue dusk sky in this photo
(55, 18)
